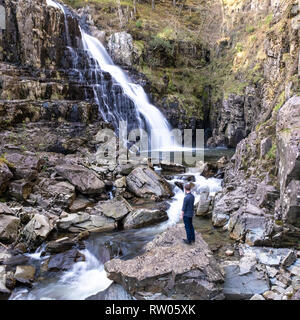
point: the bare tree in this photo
(153, 4)
(134, 7)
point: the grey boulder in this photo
(146, 183)
(9, 226)
(85, 180)
(144, 217)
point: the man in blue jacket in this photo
(187, 214)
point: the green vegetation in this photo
(169, 45)
(271, 155)
(4, 160)
(160, 52)
(280, 103)
(269, 19)
(250, 29)
(139, 24)
(239, 47)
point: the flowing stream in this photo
(88, 277)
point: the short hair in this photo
(187, 187)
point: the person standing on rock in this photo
(187, 213)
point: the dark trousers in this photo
(190, 232)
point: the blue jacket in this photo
(188, 205)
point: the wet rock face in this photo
(144, 217)
(171, 268)
(231, 127)
(288, 142)
(64, 261)
(15, 112)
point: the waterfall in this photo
(143, 115)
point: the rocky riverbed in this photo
(79, 259)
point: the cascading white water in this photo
(154, 118)
(84, 279)
(88, 277)
(161, 139)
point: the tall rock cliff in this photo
(260, 116)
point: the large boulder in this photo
(120, 47)
(170, 267)
(204, 204)
(25, 274)
(85, 180)
(144, 217)
(5, 176)
(37, 230)
(251, 225)
(240, 286)
(80, 204)
(116, 208)
(82, 221)
(146, 183)
(288, 147)
(20, 189)
(50, 193)
(25, 166)
(172, 167)
(259, 270)
(9, 226)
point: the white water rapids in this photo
(88, 277)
